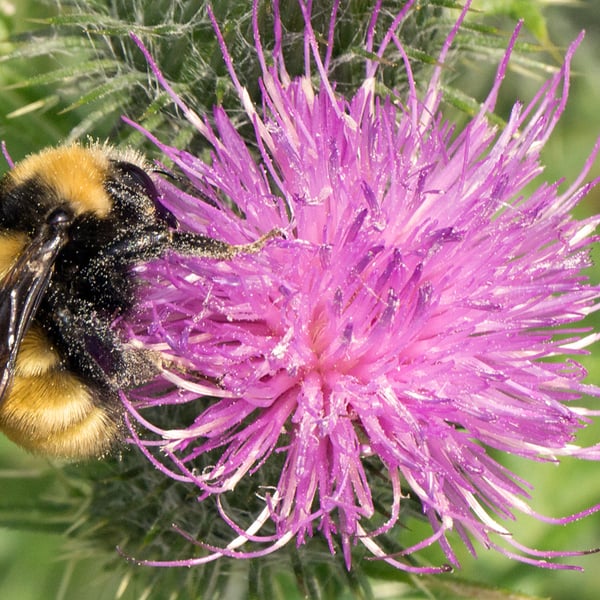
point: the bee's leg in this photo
(192, 244)
(93, 349)
(152, 243)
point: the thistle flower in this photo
(403, 324)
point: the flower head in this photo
(403, 322)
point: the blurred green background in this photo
(32, 563)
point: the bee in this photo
(74, 220)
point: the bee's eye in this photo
(133, 176)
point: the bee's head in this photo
(130, 180)
(91, 180)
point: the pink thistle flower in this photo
(404, 320)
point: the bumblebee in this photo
(73, 221)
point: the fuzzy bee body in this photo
(73, 222)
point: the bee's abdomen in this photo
(49, 410)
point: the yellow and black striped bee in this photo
(73, 221)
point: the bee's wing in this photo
(23, 287)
